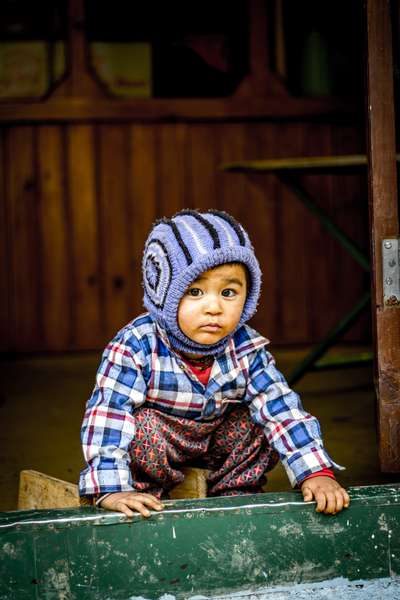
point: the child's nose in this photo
(213, 304)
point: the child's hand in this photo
(329, 495)
(128, 502)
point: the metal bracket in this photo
(391, 271)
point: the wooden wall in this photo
(79, 199)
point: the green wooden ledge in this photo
(208, 547)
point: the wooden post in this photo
(260, 81)
(384, 223)
(79, 82)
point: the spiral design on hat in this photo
(157, 272)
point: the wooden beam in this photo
(79, 82)
(40, 491)
(81, 109)
(384, 223)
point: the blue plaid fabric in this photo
(140, 367)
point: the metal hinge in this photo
(391, 271)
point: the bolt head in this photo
(388, 280)
(388, 244)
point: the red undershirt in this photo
(203, 375)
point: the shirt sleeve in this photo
(290, 430)
(108, 426)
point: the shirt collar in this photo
(243, 342)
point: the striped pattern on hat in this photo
(177, 251)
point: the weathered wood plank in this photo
(88, 324)
(56, 296)
(40, 491)
(142, 205)
(212, 547)
(230, 140)
(384, 222)
(293, 258)
(114, 226)
(350, 213)
(5, 255)
(320, 249)
(172, 193)
(263, 216)
(78, 110)
(22, 198)
(203, 166)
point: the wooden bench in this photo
(41, 491)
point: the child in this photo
(189, 381)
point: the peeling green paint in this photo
(210, 547)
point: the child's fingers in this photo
(152, 501)
(339, 501)
(120, 506)
(307, 494)
(346, 498)
(139, 507)
(320, 499)
(330, 506)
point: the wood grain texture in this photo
(103, 186)
(142, 204)
(384, 221)
(40, 491)
(171, 167)
(55, 294)
(202, 166)
(88, 330)
(293, 259)
(350, 198)
(26, 270)
(263, 210)
(114, 226)
(5, 254)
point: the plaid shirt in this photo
(140, 367)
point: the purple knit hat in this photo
(177, 251)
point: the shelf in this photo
(58, 109)
(317, 163)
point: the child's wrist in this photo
(98, 498)
(325, 472)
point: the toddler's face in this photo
(212, 306)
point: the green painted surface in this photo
(209, 547)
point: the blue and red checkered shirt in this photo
(140, 367)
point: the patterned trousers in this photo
(232, 447)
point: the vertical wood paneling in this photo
(230, 140)
(87, 327)
(171, 166)
(142, 205)
(5, 258)
(292, 228)
(350, 193)
(55, 294)
(21, 193)
(321, 250)
(260, 199)
(203, 166)
(80, 201)
(115, 228)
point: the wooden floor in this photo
(42, 402)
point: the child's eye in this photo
(194, 292)
(229, 293)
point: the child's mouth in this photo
(210, 327)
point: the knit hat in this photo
(177, 251)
